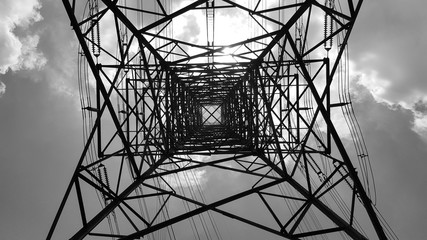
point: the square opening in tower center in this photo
(211, 114)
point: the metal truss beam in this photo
(168, 107)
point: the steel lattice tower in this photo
(169, 116)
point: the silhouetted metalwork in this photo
(172, 101)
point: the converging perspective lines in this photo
(211, 119)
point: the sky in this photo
(41, 127)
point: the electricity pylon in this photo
(195, 124)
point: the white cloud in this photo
(19, 51)
(188, 178)
(2, 88)
(420, 125)
(29, 57)
(20, 12)
(389, 53)
(9, 48)
(420, 118)
(369, 79)
(390, 42)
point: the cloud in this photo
(397, 85)
(362, 89)
(29, 57)
(420, 119)
(2, 88)
(188, 178)
(388, 52)
(387, 46)
(52, 52)
(421, 106)
(397, 156)
(20, 12)
(9, 48)
(18, 47)
(191, 30)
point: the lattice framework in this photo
(168, 108)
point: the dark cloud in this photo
(421, 106)
(398, 157)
